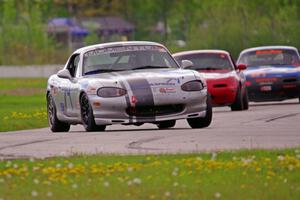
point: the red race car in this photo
(225, 81)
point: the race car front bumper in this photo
(223, 95)
(118, 110)
(275, 91)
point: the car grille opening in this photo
(220, 85)
(289, 80)
(148, 111)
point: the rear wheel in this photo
(166, 124)
(87, 115)
(202, 122)
(238, 103)
(55, 124)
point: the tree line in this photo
(198, 24)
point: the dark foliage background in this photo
(210, 24)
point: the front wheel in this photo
(55, 124)
(245, 100)
(238, 103)
(166, 124)
(87, 115)
(202, 122)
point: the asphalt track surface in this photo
(263, 126)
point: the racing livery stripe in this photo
(127, 99)
(142, 92)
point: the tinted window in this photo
(208, 61)
(126, 58)
(73, 64)
(270, 57)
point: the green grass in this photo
(23, 103)
(257, 174)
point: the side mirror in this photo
(64, 73)
(185, 64)
(241, 67)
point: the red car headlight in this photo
(108, 92)
(192, 86)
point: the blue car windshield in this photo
(125, 58)
(274, 57)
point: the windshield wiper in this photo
(149, 67)
(98, 71)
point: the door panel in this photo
(72, 96)
(59, 93)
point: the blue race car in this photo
(272, 74)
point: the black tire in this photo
(245, 100)
(202, 122)
(166, 124)
(87, 116)
(238, 103)
(54, 123)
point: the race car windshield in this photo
(274, 57)
(126, 58)
(208, 61)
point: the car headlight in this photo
(107, 92)
(192, 86)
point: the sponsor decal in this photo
(91, 90)
(173, 80)
(68, 92)
(161, 84)
(124, 49)
(266, 88)
(167, 90)
(258, 74)
(273, 51)
(168, 82)
(266, 80)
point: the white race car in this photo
(127, 83)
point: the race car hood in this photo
(146, 87)
(272, 71)
(142, 79)
(217, 74)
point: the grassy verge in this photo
(23, 104)
(229, 175)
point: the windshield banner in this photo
(124, 49)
